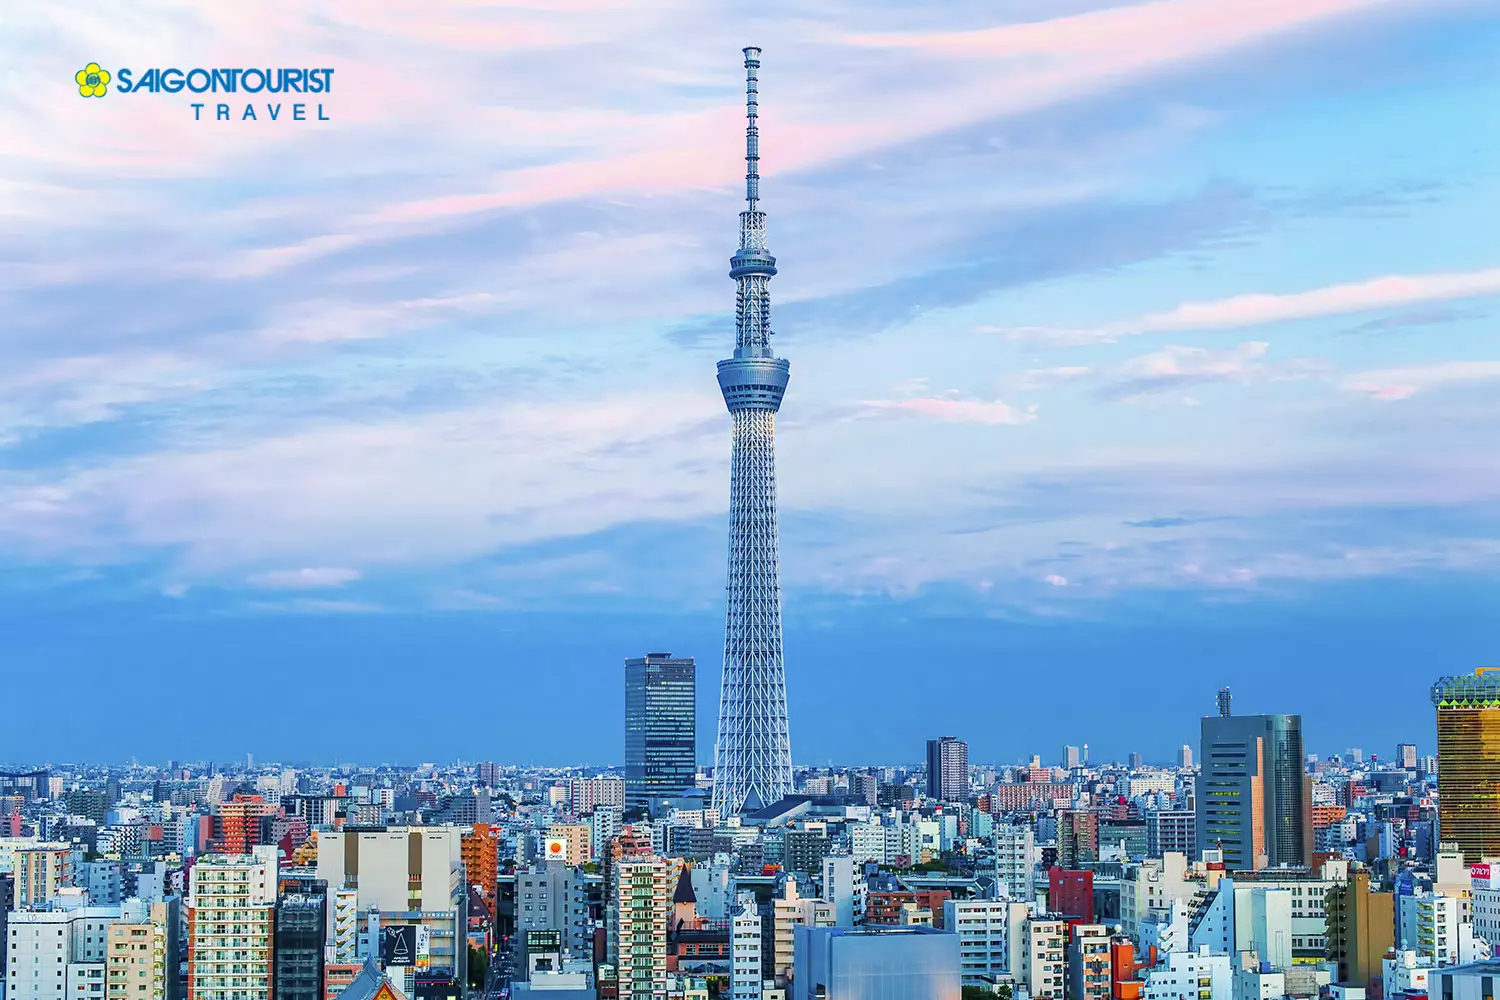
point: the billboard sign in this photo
(398, 946)
(555, 849)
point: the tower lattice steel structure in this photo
(753, 753)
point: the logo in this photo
(557, 847)
(288, 88)
(92, 81)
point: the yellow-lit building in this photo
(141, 957)
(1468, 745)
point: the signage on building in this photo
(543, 942)
(555, 849)
(424, 942)
(1480, 876)
(398, 946)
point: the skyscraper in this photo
(1468, 762)
(948, 769)
(753, 752)
(661, 725)
(1253, 798)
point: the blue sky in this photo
(1137, 349)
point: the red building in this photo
(240, 823)
(1071, 893)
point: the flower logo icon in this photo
(92, 81)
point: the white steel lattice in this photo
(752, 754)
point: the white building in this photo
(746, 976)
(1044, 963)
(1151, 887)
(56, 954)
(844, 886)
(984, 928)
(1428, 925)
(231, 908)
(1406, 972)
(1189, 975)
(1015, 874)
(867, 841)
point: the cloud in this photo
(304, 579)
(1259, 309)
(957, 411)
(1393, 384)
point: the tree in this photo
(479, 968)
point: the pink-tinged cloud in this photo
(957, 411)
(1259, 309)
(1394, 384)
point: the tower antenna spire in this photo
(752, 132)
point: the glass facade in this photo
(1254, 801)
(887, 963)
(300, 936)
(661, 727)
(1468, 743)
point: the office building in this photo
(1254, 801)
(1071, 757)
(1468, 762)
(1172, 830)
(1135, 761)
(58, 953)
(553, 896)
(413, 876)
(850, 963)
(587, 794)
(948, 769)
(1406, 756)
(1077, 838)
(804, 850)
(1185, 756)
(231, 903)
(301, 931)
(661, 725)
(1360, 929)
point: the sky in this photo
(1137, 349)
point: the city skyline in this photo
(1130, 342)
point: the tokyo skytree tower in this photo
(753, 753)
